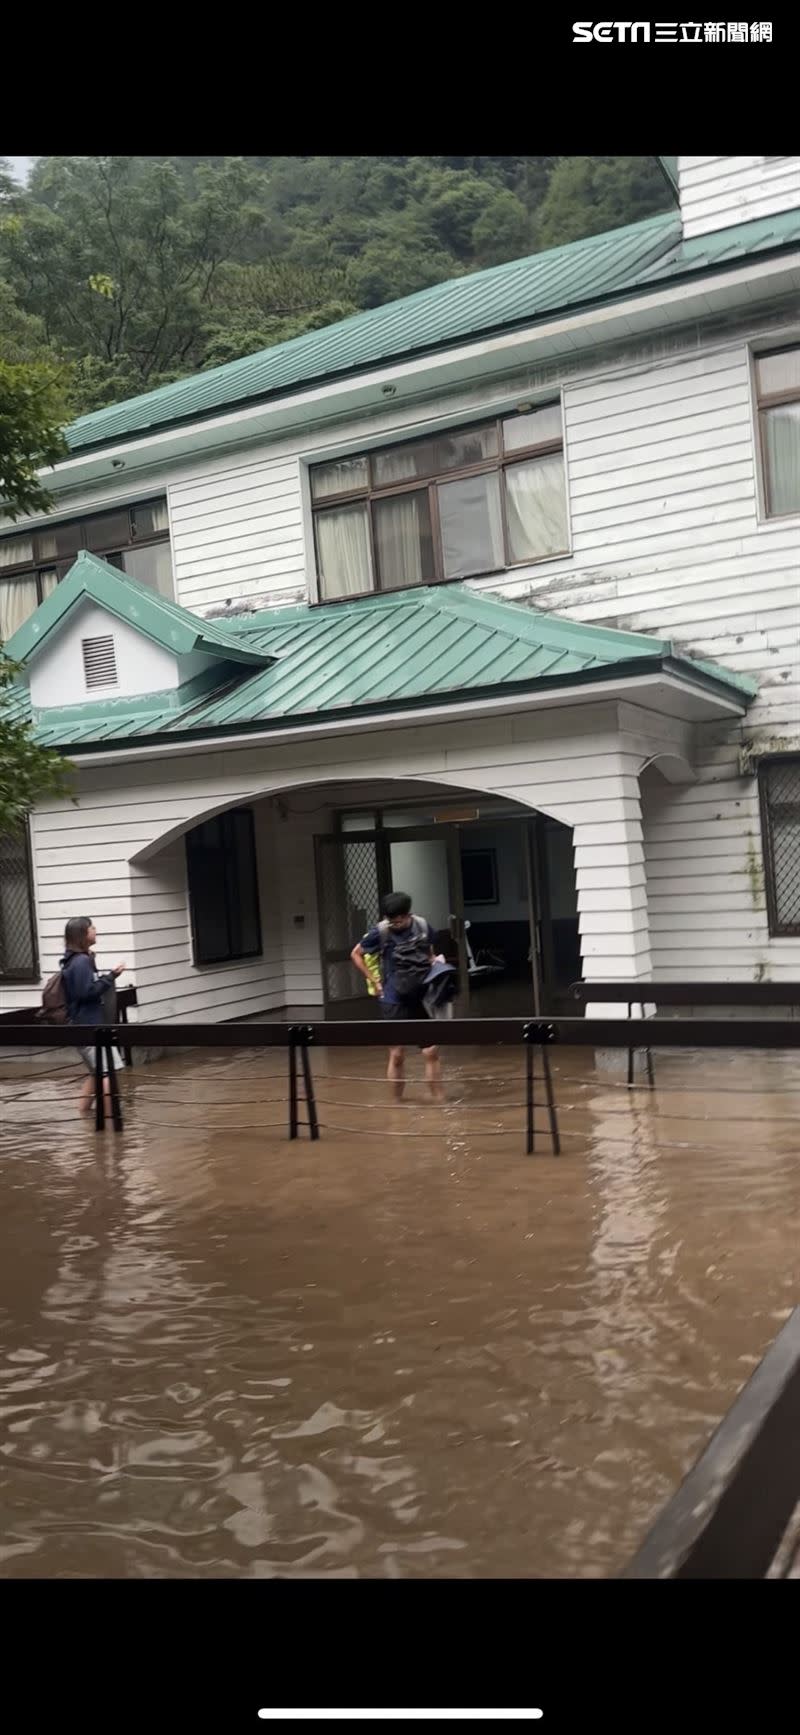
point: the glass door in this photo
(354, 872)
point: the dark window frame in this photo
(32, 974)
(766, 401)
(42, 567)
(231, 956)
(777, 927)
(497, 464)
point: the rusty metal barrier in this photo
(530, 1035)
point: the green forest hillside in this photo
(127, 272)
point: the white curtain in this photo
(18, 600)
(14, 550)
(472, 525)
(396, 465)
(537, 508)
(343, 552)
(399, 529)
(782, 430)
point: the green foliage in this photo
(136, 270)
(32, 415)
(28, 773)
(587, 195)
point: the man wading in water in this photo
(402, 942)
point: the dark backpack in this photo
(54, 1001)
(411, 958)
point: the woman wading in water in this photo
(86, 993)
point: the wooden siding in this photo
(716, 192)
(238, 532)
(119, 855)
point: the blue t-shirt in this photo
(371, 942)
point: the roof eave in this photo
(731, 698)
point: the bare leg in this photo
(86, 1098)
(433, 1073)
(395, 1072)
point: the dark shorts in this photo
(399, 1012)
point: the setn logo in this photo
(611, 32)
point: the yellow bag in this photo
(373, 965)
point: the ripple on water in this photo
(408, 1351)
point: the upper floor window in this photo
(17, 939)
(134, 538)
(779, 783)
(778, 392)
(450, 506)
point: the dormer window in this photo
(100, 661)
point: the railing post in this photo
(301, 1036)
(99, 1095)
(113, 1085)
(534, 1035)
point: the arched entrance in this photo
(494, 876)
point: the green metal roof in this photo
(599, 269)
(400, 650)
(167, 625)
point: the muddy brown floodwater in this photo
(405, 1351)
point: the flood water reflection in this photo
(407, 1350)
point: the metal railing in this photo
(638, 993)
(535, 1038)
(730, 1515)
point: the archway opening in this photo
(494, 877)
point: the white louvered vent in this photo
(100, 661)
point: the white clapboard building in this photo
(491, 595)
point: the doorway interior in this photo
(497, 885)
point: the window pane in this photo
(47, 583)
(358, 822)
(151, 565)
(472, 525)
(341, 477)
(111, 530)
(150, 519)
(434, 457)
(403, 541)
(206, 870)
(16, 550)
(17, 946)
(241, 884)
(18, 600)
(532, 429)
(778, 373)
(786, 868)
(59, 541)
(536, 508)
(781, 428)
(344, 563)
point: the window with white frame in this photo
(778, 397)
(450, 506)
(134, 538)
